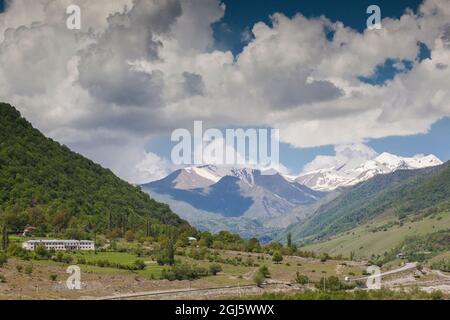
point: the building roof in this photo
(63, 241)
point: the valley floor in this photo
(48, 279)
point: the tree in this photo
(277, 257)
(215, 268)
(289, 240)
(170, 251)
(5, 237)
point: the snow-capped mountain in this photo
(212, 196)
(348, 175)
(207, 175)
(248, 202)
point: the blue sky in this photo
(242, 15)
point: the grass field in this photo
(230, 275)
(363, 242)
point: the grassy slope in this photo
(402, 192)
(364, 242)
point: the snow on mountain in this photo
(234, 192)
(207, 175)
(344, 175)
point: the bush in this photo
(81, 260)
(184, 272)
(333, 283)
(264, 271)
(2, 278)
(301, 279)
(437, 295)
(15, 250)
(277, 257)
(129, 236)
(29, 269)
(3, 259)
(215, 268)
(19, 268)
(41, 253)
(258, 278)
(139, 264)
(53, 277)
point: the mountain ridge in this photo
(329, 179)
(401, 193)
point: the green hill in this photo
(46, 185)
(402, 194)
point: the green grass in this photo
(116, 257)
(365, 243)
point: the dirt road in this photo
(406, 267)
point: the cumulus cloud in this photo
(152, 167)
(140, 68)
(351, 155)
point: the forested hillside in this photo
(46, 185)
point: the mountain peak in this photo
(333, 178)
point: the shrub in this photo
(258, 278)
(437, 295)
(301, 279)
(53, 277)
(29, 269)
(215, 268)
(15, 250)
(41, 252)
(3, 259)
(264, 271)
(129, 236)
(277, 257)
(139, 264)
(2, 278)
(19, 268)
(81, 260)
(333, 283)
(184, 272)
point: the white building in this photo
(59, 245)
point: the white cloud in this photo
(350, 156)
(152, 167)
(139, 68)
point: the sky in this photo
(137, 70)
